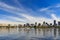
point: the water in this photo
(29, 34)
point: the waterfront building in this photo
(35, 23)
(24, 25)
(27, 24)
(55, 23)
(19, 25)
(32, 25)
(50, 24)
(3, 24)
(39, 24)
(58, 23)
(45, 24)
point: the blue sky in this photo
(29, 11)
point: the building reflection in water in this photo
(59, 31)
(54, 32)
(31, 32)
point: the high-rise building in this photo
(39, 24)
(35, 23)
(58, 23)
(32, 25)
(24, 25)
(27, 24)
(19, 25)
(9, 25)
(45, 24)
(50, 24)
(55, 23)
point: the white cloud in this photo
(19, 4)
(50, 7)
(26, 18)
(12, 18)
(53, 16)
(8, 8)
(57, 6)
(32, 19)
(44, 9)
(50, 11)
(13, 10)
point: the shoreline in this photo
(30, 27)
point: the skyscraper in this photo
(35, 23)
(44, 24)
(55, 23)
(50, 24)
(58, 23)
(39, 24)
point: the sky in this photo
(29, 11)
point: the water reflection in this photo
(30, 33)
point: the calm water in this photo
(29, 34)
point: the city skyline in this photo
(29, 11)
(29, 19)
(44, 24)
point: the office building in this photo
(55, 23)
(58, 23)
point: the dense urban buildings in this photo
(45, 24)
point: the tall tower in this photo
(35, 23)
(55, 23)
(58, 23)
